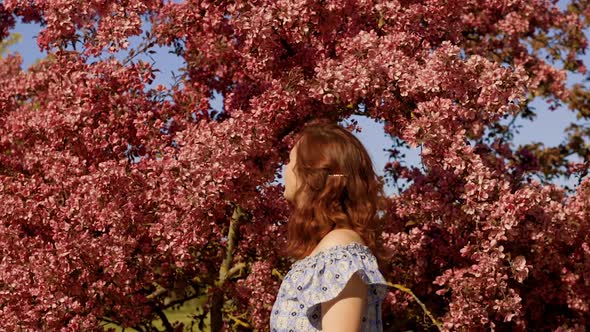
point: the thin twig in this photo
(180, 301)
(238, 321)
(110, 321)
(409, 291)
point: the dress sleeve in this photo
(328, 273)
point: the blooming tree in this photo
(90, 235)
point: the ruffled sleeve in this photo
(321, 277)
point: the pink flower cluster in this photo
(258, 291)
(90, 234)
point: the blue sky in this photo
(548, 128)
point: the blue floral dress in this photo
(321, 277)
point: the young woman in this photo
(334, 232)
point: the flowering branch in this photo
(81, 218)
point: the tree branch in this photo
(184, 299)
(238, 321)
(110, 321)
(224, 271)
(231, 239)
(409, 291)
(159, 291)
(239, 267)
(164, 319)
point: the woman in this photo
(336, 285)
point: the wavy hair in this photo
(323, 201)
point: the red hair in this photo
(323, 202)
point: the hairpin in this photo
(336, 175)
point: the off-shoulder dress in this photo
(321, 277)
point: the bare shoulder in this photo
(339, 237)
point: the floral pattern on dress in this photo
(321, 277)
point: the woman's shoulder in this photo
(338, 237)
(323, 274)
